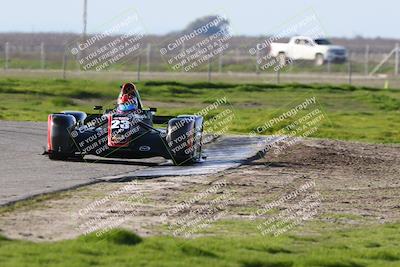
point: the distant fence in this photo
(363, 60)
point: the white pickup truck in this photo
(304, 48)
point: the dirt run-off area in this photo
(356, 183)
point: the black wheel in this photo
(60, 145)
(184, 137)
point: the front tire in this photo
(184, 137)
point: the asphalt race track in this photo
(25, 172)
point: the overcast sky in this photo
(339, 18)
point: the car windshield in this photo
(322, 41)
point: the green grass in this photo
(55, 63)
(352, 113)
(357, 247)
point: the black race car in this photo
(127, 131)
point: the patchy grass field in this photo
(356, 225)
(340, 248)
(353, 113)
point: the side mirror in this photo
(98, 107)
(153, 109)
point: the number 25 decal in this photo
(119, 124)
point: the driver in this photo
(128, 98)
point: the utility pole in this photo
(220, 62)
(183, 54)
(396, 67)
(139, 66)
(209, 70)
(6, 55)
(257, 65)
(148, 57)
(350, 68)
(42, 56)
(366, 66)
(278, 75)
(65, 62)
(81, 53)
(84, 32)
